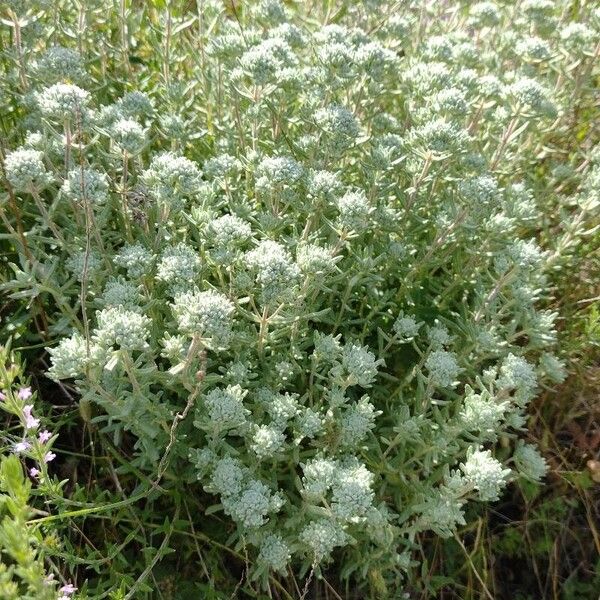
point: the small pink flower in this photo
(30, 421)
(44, 436)
(22, 446)
(49, 456)
(24, 393)
(33, 472)
(68, 589)
(2, 396)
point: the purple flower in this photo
(24, 393)
(22, 446)
(44, 436)
(49, 456)
(33, 472)
(30, 421)
(68, 589)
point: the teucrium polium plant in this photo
(309, 288)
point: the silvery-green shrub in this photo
(336, 267)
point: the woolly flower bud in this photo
(481, 190)
(489, 85)
(282, 407)
(86, 184)
(356, 422)
(203, 459)
(253, 505)
(322, 537)
(327, 347)
(527, 254)
(274, 553)
(577, 35)
(358, 364)
(136, 259)
(175, 347)
(207, 313)
(108, 115)
(439, 48)
(438, 335)
(314, 260)
(60, 64)
(533, 48)
(485, 474)
(276, 273)
(230, 231)
(482, 413)
(178, 265)
(529, 462)
(63, 101)
(271, 61)
(34, 140)
(128, 135)
(518, 375)
(285, 371)
(339, 125)
(267, 441)
(451, 100)
(229, 45)
(292, 34)
(122, 328)
(332, 33)
(69, 358)
(25, 170)
(84, 263)
(519, 203)
(351, 495)
(406, 327)
(226, 407)
(121, 293)
(537, 9)
(337, 60)
(428, 77)
(354, 209)
(239, 372)
(136, 104)
(443, 368)
(386, 152)
(531, 94)
(440, 136)
(484, 14)
(228, 477)
(171, 177)
(375, 59)
(270, 11)
(319, 474)
(276, 171)
(173, 126)
(309, 423)
(222, 167)
(323, 184)
(398, 26)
